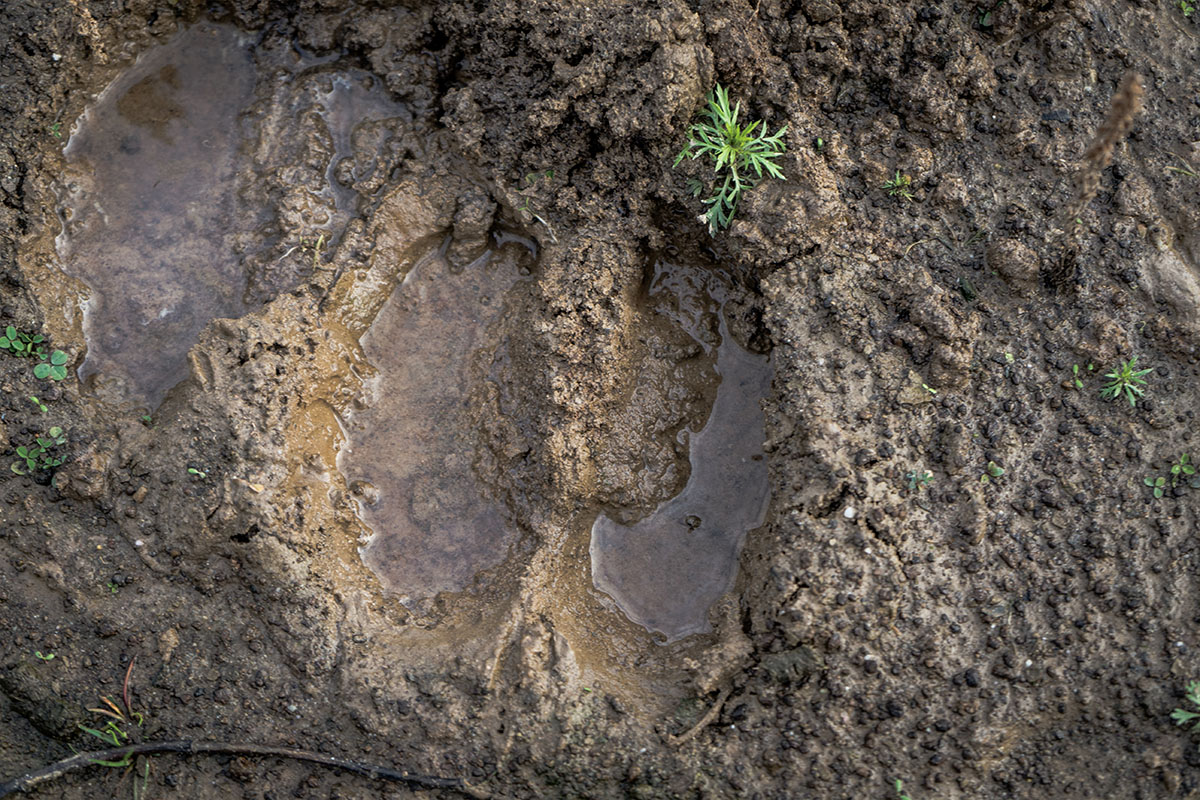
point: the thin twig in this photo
(691, 732)
(29, 780)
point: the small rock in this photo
(1017, 264)
(85, 477)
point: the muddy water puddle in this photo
(665, 571)
(411, 448)
(198, 185)
(150, 207)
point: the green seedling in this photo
(112, 587)
(1075, 379)
(992, 472)
(120, 723)
(819, 144)
(1183, 717)
(38, 404)
(1187, 8)
(899, 186)
(1182, 471)
(34, 457)
(1157, 484)
(918, 480)
(532, 178)
(22, 344)
(900, 793)
(742, 152)
(147, 419)
(1126, 380)
(44, 656)
(929, 388)
(199, 473)
(316, 251)
(56, 130)
(56, 370)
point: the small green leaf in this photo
(55, 431)
(1182, 717)
(1148, 481)
(11, 333)
(42, 371)
(58, 373)
(16, 467)
(58, 357)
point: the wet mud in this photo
(665, 571)
(150, 211)
(179, 180)
(410, 450)
(472, 453)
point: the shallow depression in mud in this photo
(150, 208)
(223, 169)
(666, 570)
(411, 446)
(205, 179)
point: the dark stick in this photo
(29, 780)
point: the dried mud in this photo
(1027, 636)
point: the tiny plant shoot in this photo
(740, 154)
(1183, 716)
(56, 370)
(899, 186)
(1126, 380)
(35, 457)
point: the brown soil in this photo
(1022, 637)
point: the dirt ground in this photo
(1024, 636)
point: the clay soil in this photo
(1022, 637)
